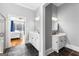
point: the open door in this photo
(2, 32)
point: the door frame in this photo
(42, 30)
(4, 43)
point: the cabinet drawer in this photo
(62, 42)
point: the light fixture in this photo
(12, 18)
(54, 19)
(37, 18)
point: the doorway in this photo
(2, 32)
(48, 13)
(17, 33)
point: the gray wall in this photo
(68, 15)
(37, 23)
(54, 14)
(15, 10)
(49, 12)
(48, 26)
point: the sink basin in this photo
(54, 32)
(60, 34)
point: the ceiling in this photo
(34, 6)
(58, 4)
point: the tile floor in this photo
(29, 50)
(23, 50)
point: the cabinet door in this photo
(62, 42)
(55, 43)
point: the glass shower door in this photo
(2, 33)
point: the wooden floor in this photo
(23, 50)
(16, 41)
(65, 52)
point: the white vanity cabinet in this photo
(34, 39)
(15, 35)
(58, 41)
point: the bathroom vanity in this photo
(15, 35)
(34, 39)
(58, 41)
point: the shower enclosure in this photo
(2, 32)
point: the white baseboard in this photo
(48, 51)
(73, 47)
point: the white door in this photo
(2, 32)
